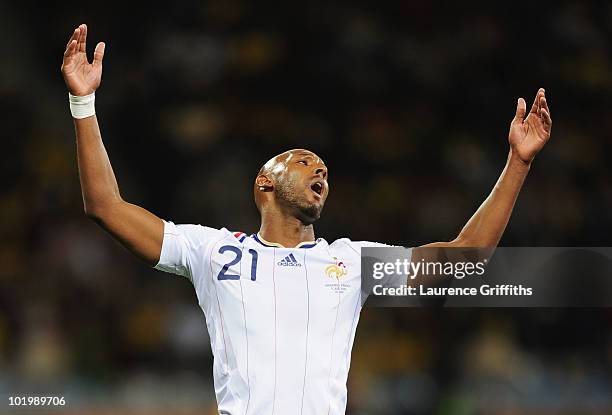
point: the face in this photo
(300, 183)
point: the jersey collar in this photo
(305, 244)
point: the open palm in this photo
(82, 77)
(529, 135)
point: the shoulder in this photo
(344, 244)
(195, 234)
(355, 246)
(358, 244)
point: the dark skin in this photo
(290, 192)
(284, 195)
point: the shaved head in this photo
(280, 160)
(294, 181)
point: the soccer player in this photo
(281, 306)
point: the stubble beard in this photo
(287, 196)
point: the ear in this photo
(263, 183)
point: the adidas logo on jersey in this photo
(289, 261)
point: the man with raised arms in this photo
(281, 305)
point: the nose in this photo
(321, 171)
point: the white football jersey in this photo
(281, 320)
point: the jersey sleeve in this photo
(357, 245)
(183, 248)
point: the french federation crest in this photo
(336, 270)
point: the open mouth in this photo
(317, 187)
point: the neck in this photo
(284, 229)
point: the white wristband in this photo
(82, 107)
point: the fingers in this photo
(82, 37)
(75, 36)
(71, 48)
(521, 109)
(99, 54)
(545, 117)
(544, 111)
(72, 42)
(544, 104)
(536, 102)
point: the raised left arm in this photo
(527, 137)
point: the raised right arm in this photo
(140, 231)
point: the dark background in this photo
(408, 104)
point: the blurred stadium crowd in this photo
(408, 104)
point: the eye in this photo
(304, 162)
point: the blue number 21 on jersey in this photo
(223, 275)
